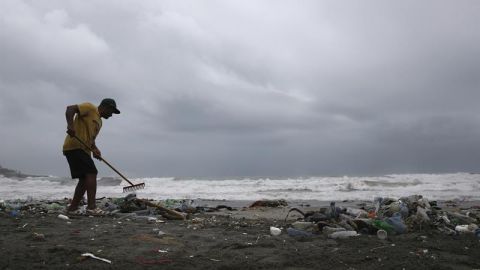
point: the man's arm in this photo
(69, 114)
(96, 152)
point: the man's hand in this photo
(97, 154)
(69, 114)
(71, 131)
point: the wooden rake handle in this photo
(102, 159)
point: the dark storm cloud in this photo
(232, 88)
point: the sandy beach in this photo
(226, 239)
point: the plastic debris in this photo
(389, 216)
(343, 234)
(275, 231)
(96, 258)
(382, 234)
(60, 216)
(397, 223)
(38, 236)
(302, 225)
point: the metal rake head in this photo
(134, 187)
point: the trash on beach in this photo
(60, 216)
(470, 228)
(333, 211)
(269, 203)
(305, 226)
(343, 234)
(382, 234)
(383, 225)
(275, 231)
(128, 207)
(151, 219)
(407, 214)
(397, 223)
(54, 207)
(38, 236)
(165, 212)
(358, 213)
(388, 216)
(96, 258)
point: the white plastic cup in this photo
(63, 217)
(275, 231)
(382, 234)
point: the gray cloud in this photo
(226, 88)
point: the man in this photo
(84, 123)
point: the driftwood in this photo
(165, 212)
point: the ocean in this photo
(462, 186)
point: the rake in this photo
(132, 186)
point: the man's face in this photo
(107, 112)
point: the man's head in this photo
(107, 107)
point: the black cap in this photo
(111, 103)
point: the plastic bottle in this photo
(471, 228)
(383, 225)
(357, 212)
(343, 234)
(301, 225)
(397, 223)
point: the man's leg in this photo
(91, 186)
(78, 195)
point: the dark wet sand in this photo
(221, 240)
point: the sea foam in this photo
(434, 186)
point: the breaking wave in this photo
(434, 186)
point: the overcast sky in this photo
(245, 88)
